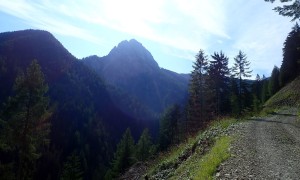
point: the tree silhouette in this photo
(290, 10)
(240, 69)
(27, 117)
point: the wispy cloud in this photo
(188, 23)
(40, 17)
(182, 26)
(261, 37)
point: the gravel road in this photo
(265, 148)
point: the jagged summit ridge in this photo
(133, 53)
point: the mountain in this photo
(131, 68)
(85, 119)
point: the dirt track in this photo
(266, 148)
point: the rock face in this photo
(131, 68)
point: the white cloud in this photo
(38, 16)
(183, 26)
(261, 37)
(189, 23)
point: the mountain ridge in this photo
(132, 68)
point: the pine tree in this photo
(197, 91)
(234, 97)
(72, 168)
(240, 69)
(144, 146)
(256, 94)
(125, 155)
(218, 81)
(265, 91)
(168, 129)
(274, 81)
(290, 67)
(26, 115)
(290, 10)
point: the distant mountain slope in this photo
(69, 80)
(131, 68)
(289, 95)
(86, 118)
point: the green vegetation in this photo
(124, 156)
(274, 81)
(169, 130)
(290, 10)
(287, 96)
(24, 134)
(240, 70)
(213, 159)
(224, 123)
(72, 168)
(169, 158)
(87, 124)
(144, 147)
(183, 161)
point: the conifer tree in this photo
(234, 97)
(240, 70)
(168, 129)
(256, 93)
(72, 168)
(290, 10)
(218, 81)
(290, 67)
(144, 146)
(197, 91)
(125, 155)
(26, 115)
(265, 90)
(274, 81)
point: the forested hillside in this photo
(219, 98)
(86, 123)
(64, 118)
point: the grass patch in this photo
(188, 168)
(287, 96)
(214, 158)
(169, 158)
(183, 161)
(224, 123)
(267, 111)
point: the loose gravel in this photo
(265, 148)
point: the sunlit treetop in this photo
(290, 10)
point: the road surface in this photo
(265, 148)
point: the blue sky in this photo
(172, 30)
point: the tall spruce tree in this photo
(72, 168)
(240, 70)
(144, 146)
(274, 81)
(234, 97)
(197, 91)
(265, 91)
(290, 67)
(218, 77)
(26, 115)
(256, 94)
(124, 156)
(168, 129)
